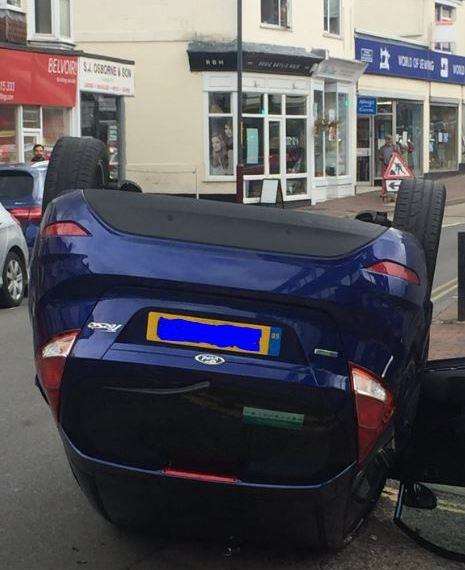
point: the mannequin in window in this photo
(221, 163)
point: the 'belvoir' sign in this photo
(399, 60)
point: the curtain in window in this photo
(43, 16)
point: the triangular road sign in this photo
(397, 169)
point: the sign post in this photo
(396, 171)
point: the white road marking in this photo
(444, 290)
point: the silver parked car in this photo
(14, 260)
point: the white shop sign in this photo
(104, 76)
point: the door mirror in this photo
(433, 512)
(373, 217)
(130, 186)
(434, 516)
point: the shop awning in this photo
(261, 58)
(38, 78)
(340, 69)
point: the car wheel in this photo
(14, 281)
(75, 164)
(420, 211)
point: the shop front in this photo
(46, 95)
(399, 119)
(37, 95)
(297, 122)
(416, 98)
(103, 85)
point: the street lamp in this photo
(240, 165)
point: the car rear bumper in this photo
(303, 514)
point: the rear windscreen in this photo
(16, 185)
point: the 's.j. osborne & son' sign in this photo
(104, 76)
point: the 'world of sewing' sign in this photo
(399, 60)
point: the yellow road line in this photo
(444, 290)
(444, 286)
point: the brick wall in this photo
(13, 27)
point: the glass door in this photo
(364, 151)
(383, 129)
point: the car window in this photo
(15, 185)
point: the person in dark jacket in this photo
(38, 153)
(384, 156)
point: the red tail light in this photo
(33, 214)
(50, 364)
(199, 476)
(374, 405)
(64, 229)
(395, 270)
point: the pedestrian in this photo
(38, 153)
(384, 156)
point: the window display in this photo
(220, 135)
(409, 131)
(100, 118)
(56, 125)
(8, 147)
(443, 142)
(331, 119)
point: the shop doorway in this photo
(364, 151)
(403, 121)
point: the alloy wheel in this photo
(14, 279)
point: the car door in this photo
(5, 222)
(431, 507)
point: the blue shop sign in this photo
(367, 106)
(399, 60)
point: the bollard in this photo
(461, 276)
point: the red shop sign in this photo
(31, 78)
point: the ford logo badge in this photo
(210, 359)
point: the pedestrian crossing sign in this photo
(397, 169)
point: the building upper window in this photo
(332, 16)
(276, 13)
(11, 4)
(445, 14)
(51, 18)
(446, 47)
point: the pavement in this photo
(46, 523)
(352, 205)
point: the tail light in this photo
(64, 229)
(395, 270)
(50, 364)
(374, 405)
(33, 214)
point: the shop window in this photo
(31, 118)
(318, 118)
(463, 134)
(332, 16)
(220, 135)
(284, 133)
(331, 131)
(343, 130)
(51, 18)
(409, 133)
(8, 147)
(56, 125)
(100, 118)
(276, 13)
(443, 150)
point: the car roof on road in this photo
(32, 169)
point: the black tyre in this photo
(420, 211)
(14, 281)
(76, 164)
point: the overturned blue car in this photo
(226, 370)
